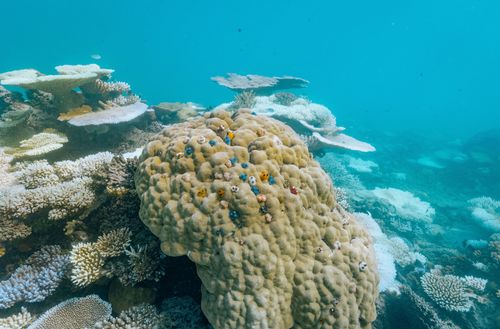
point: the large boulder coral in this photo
(242, 197)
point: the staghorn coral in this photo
(36, 279)
(143, 316)
(242, 198)
(74, 313)
(113, 243)
(450, 291)
(20, 320)
(87, 264)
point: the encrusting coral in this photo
(242, 198)
(36, 279)
(74, 313)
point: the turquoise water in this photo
(418, 80)
(420, 65)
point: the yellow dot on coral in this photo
(264, 176)
(202, 193)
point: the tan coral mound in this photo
(243, 199)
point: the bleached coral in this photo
(402, 253)
(75, 313)
(404, 204)
(20, 320)
(36, 279)
(87, 264)
(86, 166)
(363, 166)
(314, 122)
(115, 115)
(486, 212)
(383, 253)
(450, 291)
(259, 83)
(39, 144)
(143, 316)
(63, 199)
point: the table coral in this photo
(274, 270)
(75, 313)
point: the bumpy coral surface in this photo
(242, 198)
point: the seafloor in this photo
(423, 246)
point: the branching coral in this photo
(75, 313)
(241, 196)
(284, 98)
(20, 320)
(113, 243)
(143, 316)
(87, 264)
(88, 258)
(450, 291)
(120, 177)
(36, 279)
(245, 99)
(427, 313)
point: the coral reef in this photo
(314, 122)
(20, 320)
(486, 212)
(114, 115)
(428, 315)
(245, 99)
(74, 313)
(242, 198)
(183, 313)
(258, 83)
(450, 291)
(42, 143)
(138, 317)
(176, 112)
(405, 204)
(88, 258)
(36, 279)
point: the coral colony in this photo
(100, 195)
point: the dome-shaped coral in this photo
(291, 258)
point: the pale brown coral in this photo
(270, 264)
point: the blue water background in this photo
(428, 66)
